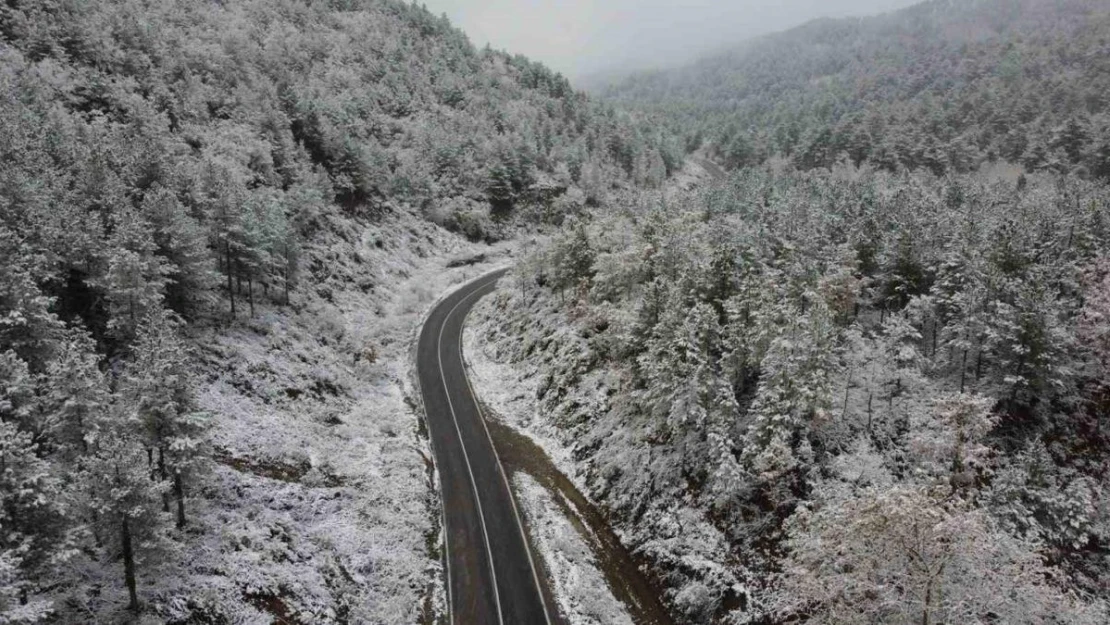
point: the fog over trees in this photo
(589, 40)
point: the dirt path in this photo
(711, 168)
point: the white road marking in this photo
(504, 478)
(466, 457)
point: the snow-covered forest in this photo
(853, 396)
(843, 386)
(864, 377)
(219, 222)
(946, 85)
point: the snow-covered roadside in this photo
(581, 591)
(321, 506)
(510, 389)
(534, 359)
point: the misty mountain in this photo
(946, 85)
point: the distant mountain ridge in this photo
(946, 85)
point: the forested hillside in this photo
(218, 221)
(863, 380)
(947, 85)
(838, 397)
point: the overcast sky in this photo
(581, 37)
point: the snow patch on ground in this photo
(581, 591)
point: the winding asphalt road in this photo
(492, 575)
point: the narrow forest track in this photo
(492, 577)
(714, 170)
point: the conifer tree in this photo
(157, 385)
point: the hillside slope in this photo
(947, 85)
(219, 224)
(834, 397)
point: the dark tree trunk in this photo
(230, 289)
(963, 371)
(129, 567)
(847, 387)
(870, 396)
(250, 294)
(179, 493)
(162, 474)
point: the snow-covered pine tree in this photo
(36, 540)
(157, 386)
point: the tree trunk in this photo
(230, 290)
(870, 396)
(129, 567)
(250, 294)
(179, 492)
(162, 474)
(847, 387)
(963, 371)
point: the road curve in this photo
(492, 578)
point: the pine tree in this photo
(122, 500)
(157, 385)
(182, 241)
(75, 398)
(28, 324)
(794, 390)
(36, 542)
(135, 277)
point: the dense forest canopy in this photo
(864, 397)
(948, 85)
